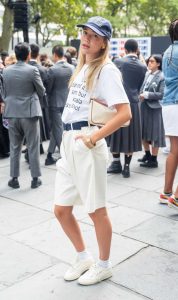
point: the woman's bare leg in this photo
(171, 164)
(70, 226)
(103, 231)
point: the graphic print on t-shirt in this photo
(78, 93)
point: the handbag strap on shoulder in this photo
(108, 63)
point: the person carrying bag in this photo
(81, 172)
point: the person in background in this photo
(170, 116)
(4, 136)
(68, 58)
(128, 140)
(4, 124)
(1, 66)
(58, 78)
(44, 121)
(81, 173)
(151, 93)
(73, 53)
(4, 54)
(10, 60)
(22, 89)
(43, 58)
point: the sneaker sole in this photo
(171, 205)
(163, 201)
(107, 276)
(79, 273)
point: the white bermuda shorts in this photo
(81, 172)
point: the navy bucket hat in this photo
(99, 25)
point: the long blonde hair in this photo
(93, 67)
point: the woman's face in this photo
(152, 64)
(91, 44)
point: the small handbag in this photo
(99, 113)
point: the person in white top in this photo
(81, 173)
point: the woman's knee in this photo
(62, 212)
(98, 214)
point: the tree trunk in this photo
(6, 29)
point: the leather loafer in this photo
(149, 164)
(115, 168)
(144, 158)
(126, 172)
(14, 183)
(50, 161)
(36, 182)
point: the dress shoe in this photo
(36, 182)
(14, 183)
(149, 164)
(115, 168)
(126, 172)
(144, 158)
(50, 161)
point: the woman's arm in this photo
(123, 115)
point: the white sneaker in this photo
(78, 268)
(95, 274)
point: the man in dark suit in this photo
(44, 121)
(22, 89)
(57, 91)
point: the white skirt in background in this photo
(81, 172)
(170, 119)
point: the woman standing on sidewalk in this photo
(151, 93)
(81, 173)
(170, 115)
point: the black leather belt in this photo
(75, 126)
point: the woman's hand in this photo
(86, 140)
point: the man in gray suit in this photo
(57, 91)
(22, 88)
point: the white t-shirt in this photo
(108, 88)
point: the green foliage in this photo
(64, 14)
(141, 17)
(128, 17)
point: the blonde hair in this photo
(10, 60)
(93, 67)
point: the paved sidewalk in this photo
(34, 253)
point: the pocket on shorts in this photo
(80, 146)
(101, 150)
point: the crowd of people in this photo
(48, 99)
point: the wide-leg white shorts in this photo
(81, 172)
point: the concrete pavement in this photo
(34, 252)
